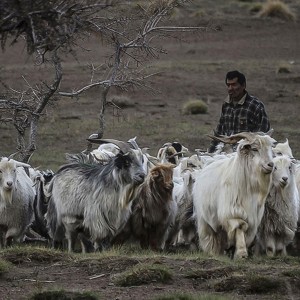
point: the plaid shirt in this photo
(247, 115)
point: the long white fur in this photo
(16, 200)
(279, 223)
(229, 197)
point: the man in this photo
(240, 112)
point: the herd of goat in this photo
(237, 203)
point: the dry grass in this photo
(283, 68)
(187, 296)
(63, 295)
(143, 274)
(277, 9)
(194, 107)
(17, 255)
(4, 266)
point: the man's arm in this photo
(263, 120)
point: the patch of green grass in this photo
(257, 284)
(17, 255)
(207, 274)
(143, 274)
(194, 107)
(187, 296)
(4, 266)
(63, 295)
(250, 283)
(277, 9)
(295, 273)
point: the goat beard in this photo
(7, 195)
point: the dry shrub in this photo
(283, 68)
(277, 9)
(18, 255)
(194, 107)
(122, 101)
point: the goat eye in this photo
(254, 149)
(275, 168)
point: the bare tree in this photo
(49, 28)
(134, 33)
(135, 39)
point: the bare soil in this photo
(192, 69)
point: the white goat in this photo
(229, 195)
(279, 222)
(283, 149)
(171, 153)
(183, 230)
(16, 201)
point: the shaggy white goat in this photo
(16, 201)
(229, 195)
(279, 222)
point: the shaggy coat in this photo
(16, 201)
(153, 210)
(184, 229)
(41, 182)
(229, 195)
(279, 222)
(93, 198)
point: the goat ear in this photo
(155, 173)
(245, 148)
(270, 132)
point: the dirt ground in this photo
(194, 69)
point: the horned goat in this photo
(229, 195)
(94, 198)
(171, 153)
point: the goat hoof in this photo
(241, 254)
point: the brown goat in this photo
(153, 210)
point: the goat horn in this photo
(21, 164)
(124, 146)
(12, 155)
(175, 154)
(232, 139)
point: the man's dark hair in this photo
(236, 74)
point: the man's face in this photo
(235, 89)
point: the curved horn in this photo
(124, 146)
(132, 142)
(21, 164)
(233, 139)
(12, 155)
